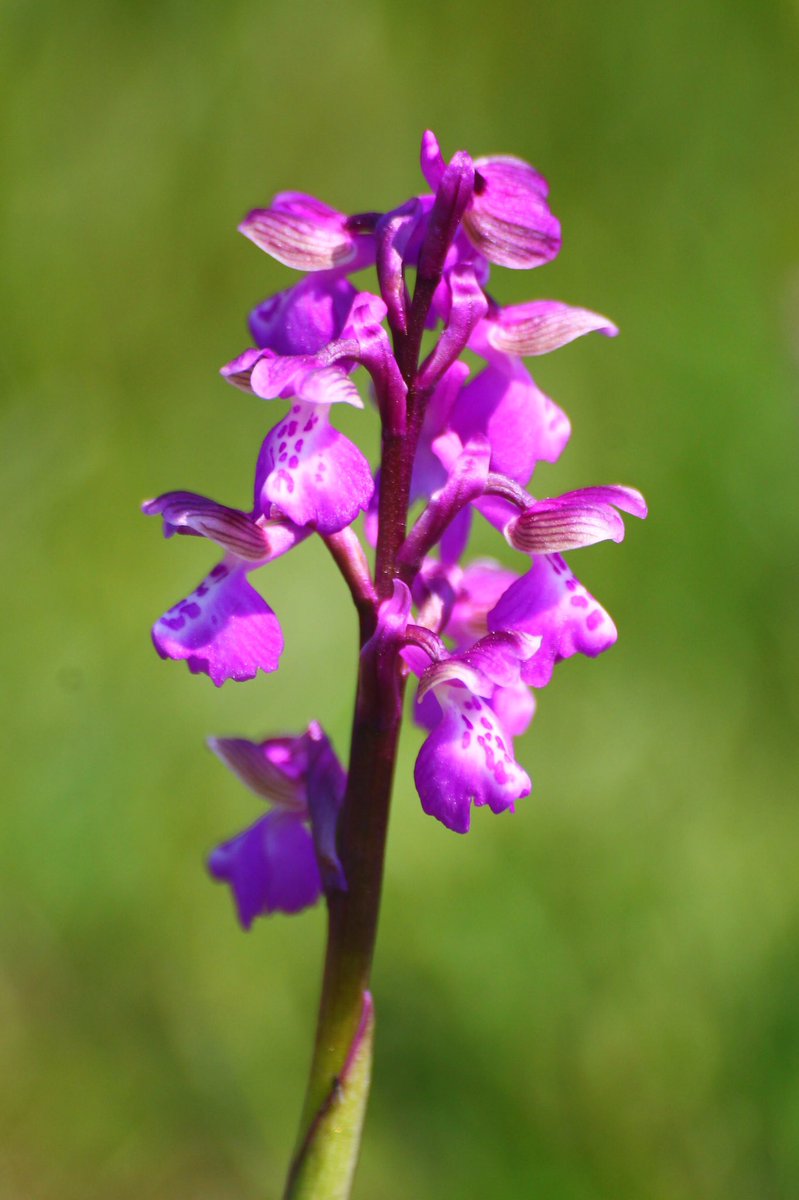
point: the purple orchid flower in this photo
(467, 758)
(283, 862)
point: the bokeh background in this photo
(596, 999)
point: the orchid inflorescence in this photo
(478, 636)
(481, 638)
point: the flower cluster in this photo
(478, 635)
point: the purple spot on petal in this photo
(579, 602)
(594, 619)
(299, 445)
(465, 739)
(294, 462)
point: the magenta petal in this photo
(312, 473)
(523, 425)
(304, 318)
(271, 867)
(543, 325)
(467, 760)
(550, 603)
(224, 629)
(509, 220)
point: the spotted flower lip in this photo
(223, 629)
(467, 757)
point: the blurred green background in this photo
(596, 999)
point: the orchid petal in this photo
(302, 232)
(523, 425)
(304, 318)
(304, 377)
(271, 867)
(550, 526)
(550, 603)
(466, 760)
(509, 220)
(312, 473)
(188, 513)
(494, 661)
(274, 769)
(543, 325)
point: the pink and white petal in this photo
(189, 513)
(301, 232)
(551, 526)
(550, 603)
(467, 760)
(224, 629)
(239, 370)
(541, 326)
(312, 473)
